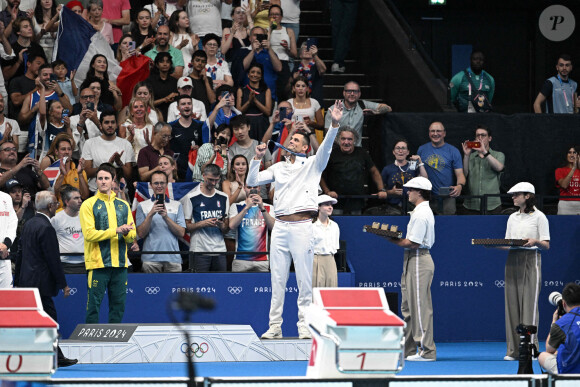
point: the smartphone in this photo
(311, 42)
(444, 191)
(283, 112)
(261, 37)
(398, 185)
(132, 46)
(53, 77)
(473, 144)
(160, 198)
(225, 94)
(254, 191)
(91, 105)
(299, 118)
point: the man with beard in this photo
(473, 86)
(162, 45)
(186, 134)
(107, 148)
(355, 110)
(559, 93)
(296, 202)
(346, 173)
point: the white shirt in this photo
(90, 128)
(205, 16)
(326, 237)
(305, 112)
(100, 151)
(70, 236)
(532, 225)
(8, 218)
(421, 227)
(296, 184)
(291, 10)
(197, 108)
(15, 127)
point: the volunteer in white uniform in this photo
(418, 269)
(8, 225)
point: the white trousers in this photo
(5, 274)
(291, 241)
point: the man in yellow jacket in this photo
(108, 229)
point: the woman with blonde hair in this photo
(142, 90)
(138, 126)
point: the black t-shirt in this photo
(27, 178)
(22, 85)
(16, 47)
(162, 88)
(181, 143)
(345, 173)
(200, 93)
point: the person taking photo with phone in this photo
(483, 168)
(160, 222)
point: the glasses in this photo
(350, 91)
(211, 44)
(481, 135)
(159, 183)
(9, 150)
(400, 148)
(87, 96)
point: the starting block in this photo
(28, 336)
(354, 334)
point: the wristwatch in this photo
(485, 155)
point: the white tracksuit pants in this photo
(291, 241)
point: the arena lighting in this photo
(437, 2)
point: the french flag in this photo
(53, 172)
(76, 44)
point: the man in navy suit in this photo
(40, 265)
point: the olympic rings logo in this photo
(235, 289)
(195, 349)
(152, 289)
(500, 283)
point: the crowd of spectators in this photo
(217, 88)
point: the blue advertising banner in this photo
(467, 289)
(240, 298)
(468, 285)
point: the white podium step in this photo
(165, 343)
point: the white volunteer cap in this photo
(522, 187)
(326, 199)
(419, 182)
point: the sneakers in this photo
(274, 332)
(303, 332)
(417, 357)
(336, 68)
(509, 358)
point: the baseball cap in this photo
(522, 187)
(326, 199)
(183, 82)
(11, 184)
(419, 182)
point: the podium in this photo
(354, 334)
(28, 336)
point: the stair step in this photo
(315, 29)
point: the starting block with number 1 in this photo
(354, 334)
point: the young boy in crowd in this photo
(60, 69)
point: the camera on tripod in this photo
(527, 349)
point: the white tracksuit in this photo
(296, 190)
